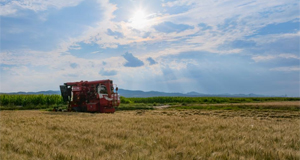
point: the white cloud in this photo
(288, 56)
(286, 69)
(49, 69)
(179, 3)
(264, 39)
(260, 58)
(211, 13)
(95, 52)
(245, 15)
(263, 58)
(245, 19)
(7, 10)
(11, 7)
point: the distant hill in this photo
(39, 92)
(138, 93)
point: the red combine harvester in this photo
(90, 96)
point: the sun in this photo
(139, 19)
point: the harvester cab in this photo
(91, 96)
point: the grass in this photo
(151, 134)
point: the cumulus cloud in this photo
(108, 72)
(132, 61)
(180, 27)
(263, 58)
(8, 7)
(74, 65)
(169, 27)
(151, 61)
(115, 34)
(260, 58)
(286, 69)
(204, 26)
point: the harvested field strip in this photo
(288, 105)
(150, 134)
(279, 103)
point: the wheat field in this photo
(155, 134)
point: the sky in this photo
(206, 46)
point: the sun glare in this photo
(139, 19)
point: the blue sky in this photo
(221, 46)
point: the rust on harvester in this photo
(91, 96)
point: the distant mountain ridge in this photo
(49, 92)
(138, 93)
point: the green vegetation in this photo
(24, 102)
(207, 100)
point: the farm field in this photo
(47, 102)
(165, 133)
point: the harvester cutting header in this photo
(91, 96)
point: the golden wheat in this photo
(157, 134)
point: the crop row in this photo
(25, 100)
